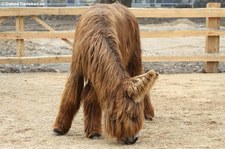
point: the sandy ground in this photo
(190, 113)
(189, 107)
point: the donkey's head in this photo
(125, 114)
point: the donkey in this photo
(106, 76)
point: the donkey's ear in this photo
(138, 86)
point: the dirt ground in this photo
(189, 107)
(190, 113)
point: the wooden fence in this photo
(212, 13)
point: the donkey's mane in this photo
(103, 64)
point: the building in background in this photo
(163, 3)
(68, 3)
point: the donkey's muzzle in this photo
(129, 140)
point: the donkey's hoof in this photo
(95, 136)
(148, 117)
(58, 132)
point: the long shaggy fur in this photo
(107, 55)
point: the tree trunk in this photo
(124, 2)
(107, 1)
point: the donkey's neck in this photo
(106, 71)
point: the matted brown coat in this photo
(107, 54)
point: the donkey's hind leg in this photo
(135, 68)
(70, 104)
(148, 108)
(92, 112)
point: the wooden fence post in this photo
(212, 43)
(19, 42)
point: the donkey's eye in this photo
(134, 119)
(127, 96)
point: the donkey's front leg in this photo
(92, 112)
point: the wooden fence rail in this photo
(212, 13)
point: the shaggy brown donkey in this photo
(107, 54)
